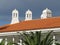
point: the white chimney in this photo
(15, 16)
(47, 13)
(28, 15)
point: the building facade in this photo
(11, 32)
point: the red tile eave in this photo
(32, 25)
(25, 29)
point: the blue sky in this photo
(36, 6)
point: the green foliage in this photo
(57, 43)
(10, 43)
(2, 42)
(36, 38)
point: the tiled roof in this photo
(32, 24)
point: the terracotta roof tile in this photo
(32, 24)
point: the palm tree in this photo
(36, 38)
